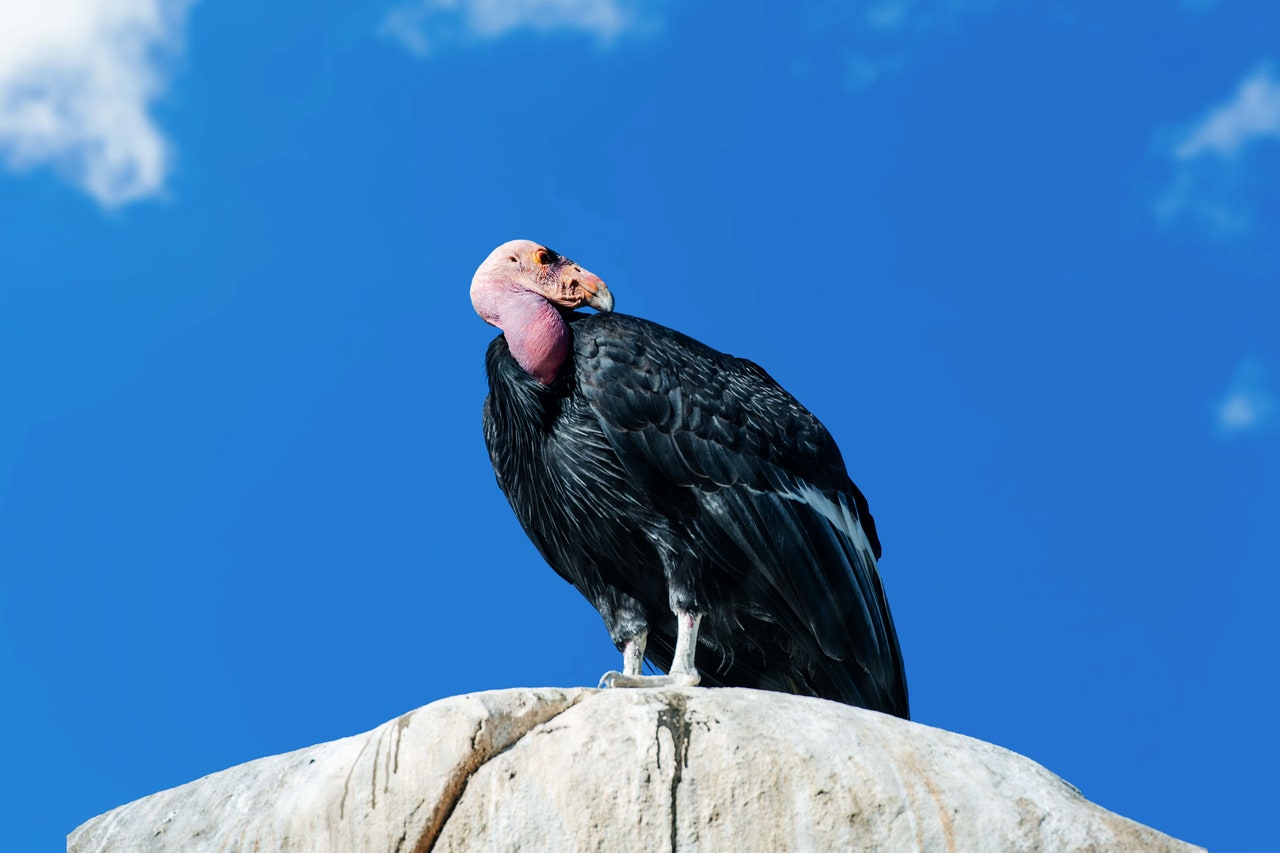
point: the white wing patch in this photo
(838, 514)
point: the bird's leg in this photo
(683, 672)
(632, 662)
(686, 647)
(633, 655)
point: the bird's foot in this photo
(613, 678)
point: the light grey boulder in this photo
(655, 769)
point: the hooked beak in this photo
(600, 299)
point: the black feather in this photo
(658, 472)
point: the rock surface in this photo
(653, 770)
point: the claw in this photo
(675, 679)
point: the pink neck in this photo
(537, 335)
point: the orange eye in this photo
(542, 257)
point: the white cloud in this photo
(1252, 115)
(1211, 179)
(1210, 193)
(1247, 405)
(876, 40)
(77, 80)
(888, 14)
(424, 26)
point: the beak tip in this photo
(602, 299)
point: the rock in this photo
(668, 769)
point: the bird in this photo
(698, 506)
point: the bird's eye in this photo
(542, 256)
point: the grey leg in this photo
(683, 672)
(633, 655)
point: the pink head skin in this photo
(522, 288)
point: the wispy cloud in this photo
(77, 82)
(880, 38)
(1248, 405)
(1212, 158)
(1252, 115)
(425, 26)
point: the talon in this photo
(620, 680)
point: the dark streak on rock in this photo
(346, 786)
(386, 764)
(404, 836)
(675, 719)
(373, 786)
(402, 723)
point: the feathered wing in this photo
(761, 487)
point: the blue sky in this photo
(1021, 258)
